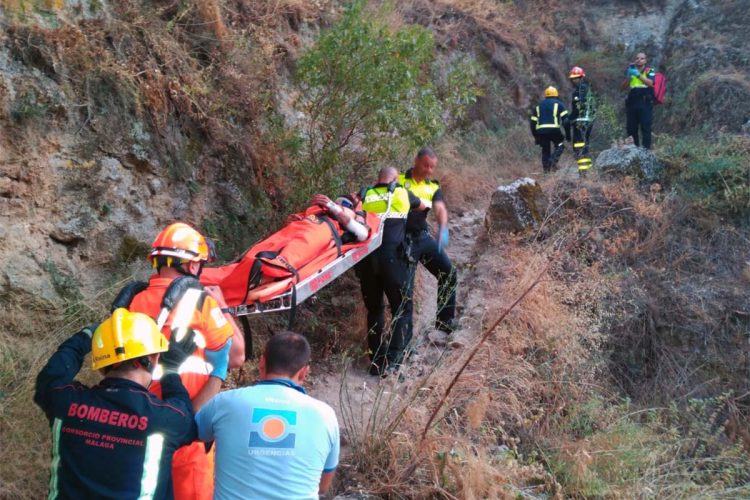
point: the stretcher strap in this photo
(248, 334)
(256, 273)
(293, 309)
(334, 233)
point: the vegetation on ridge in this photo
(623, 375)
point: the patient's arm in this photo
(345, 216)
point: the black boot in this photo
(556, 154)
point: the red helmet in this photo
(576, 72)
(183, 242)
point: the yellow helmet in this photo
(125, 335)
(550, 92)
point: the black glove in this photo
(89, 330)
(179, 351)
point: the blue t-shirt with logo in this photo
(272, 441)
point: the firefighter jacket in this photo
(393, 203)
(428, 191)
(582, 104)
(550, 116)
(113, 440)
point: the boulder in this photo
(74, 229)
(629, 160)
(516, 207)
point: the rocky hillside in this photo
(118, 117)
(121, 116)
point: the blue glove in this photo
(633, 72)
(219, 360)
(442, 238)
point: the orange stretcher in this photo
(262, 280)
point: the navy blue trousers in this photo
(423, 248)
(386, 271)
(639, 116)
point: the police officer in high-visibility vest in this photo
(639, 106)
(547, 123)
(420, 243)
(386, 270)
(582, 113)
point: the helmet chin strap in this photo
(146, 364)
(181, 269)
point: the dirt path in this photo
(358, 397)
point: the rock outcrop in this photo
(629, 160)
(516, 207)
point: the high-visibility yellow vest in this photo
(376, 200)
(424, 189)
(636, 82)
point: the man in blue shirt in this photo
(272, 440)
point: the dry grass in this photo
(546, 390)
(32, 334)
(474, 164)
(531, 369)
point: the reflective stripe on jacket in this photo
(112, 440)
(377, 199)
(549, 114)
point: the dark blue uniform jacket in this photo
(114, 440)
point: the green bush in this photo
(674, 452)
(369, 94)
(609, 125)
(28, 107)
(712, 173)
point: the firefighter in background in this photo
(178, 254)
(582, 110)
(116, 440)
(547, 122)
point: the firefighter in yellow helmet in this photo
(178, 302)
(548, 121)
(115, 439)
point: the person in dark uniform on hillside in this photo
(547, 123)
(386, 270)
(420, 243)
(639, 105)
(116, 440)
(582, 110)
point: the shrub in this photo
(712, 173)
(369, 93)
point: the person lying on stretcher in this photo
(309, 240)
(345, 213)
